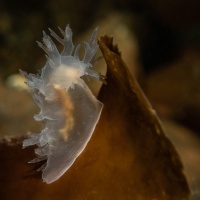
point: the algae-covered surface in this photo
(128, 157)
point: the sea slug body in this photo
(69, 110)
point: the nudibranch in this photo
(69, 110)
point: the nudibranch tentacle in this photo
(66, 42)
(69, 110)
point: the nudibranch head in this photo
(66, 68)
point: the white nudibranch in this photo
(69, 110)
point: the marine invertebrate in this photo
(69, 110)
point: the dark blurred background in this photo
(163, 28)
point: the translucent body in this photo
(69, 110)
